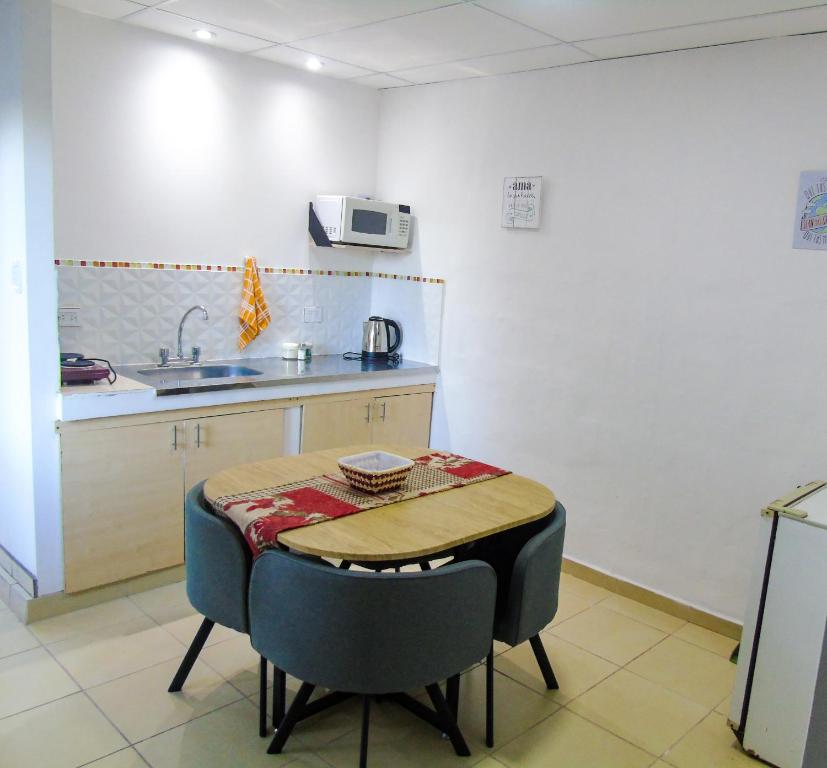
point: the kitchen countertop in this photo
(324, 374)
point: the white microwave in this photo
(357, 221)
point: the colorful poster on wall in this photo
(521, 201)
(811, 212)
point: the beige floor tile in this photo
(398, 739)
(63, 734)
(184, 629)
(500, 647)
(226, 737)
(576, 670)
(516, 708)
(236, 661)
(687, 669)
(111, 652)
(30, 679)
(126, 758)
(85, 620)
(569, 604)
(589, 592)
(712, 641)
(711, 743)
(489, 762)
(321, 729)
(641, 712)
(140, 706)
(162, 598)
(616, 638)
(14, 637)
(643, 613)
(724, 706)
(564, 739)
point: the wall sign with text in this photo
(521, 201)
(811, 211)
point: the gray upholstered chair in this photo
(528, 601)
(218, 563)
(370, 633)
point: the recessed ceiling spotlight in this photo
(203, 34)
(314, 64)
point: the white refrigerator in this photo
(779, 702)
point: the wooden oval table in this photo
(404, 531)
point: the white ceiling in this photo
(394, 43)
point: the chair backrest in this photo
(218, 563)
(370, 633)
(535, 583)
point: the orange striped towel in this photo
(254, 315)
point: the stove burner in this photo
(77, 363)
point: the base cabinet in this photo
(124, 487)
(218, 442)
(124, 478)
(393, 419)
(122, 503)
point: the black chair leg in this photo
(290, 719)
(363, 746)
(489, 699)
(542, 660)
(425, 565)
(345, 565)
(279, 695)
(262, 697)
(449, 724)
(452, 695)
(191, 655)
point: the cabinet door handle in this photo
(198, 435)
(367, 416)
(384, 410)
(174, 437)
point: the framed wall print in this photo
(521, 202)
(811, 211)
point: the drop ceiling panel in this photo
(446, 34)
(739, 30)
(293, 57)
(108, 9)
(287, 20)
(380, 81)
(500, 64)
(162, 21)
(584, 19)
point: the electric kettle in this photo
(376, 338)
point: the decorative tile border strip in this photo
(223, 268)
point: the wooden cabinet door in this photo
(219, 442)
(123, 502)
(403, 419)
(332, 424)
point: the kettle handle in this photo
(398, 333)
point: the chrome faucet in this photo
(196, 351)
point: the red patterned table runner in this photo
(263, 514)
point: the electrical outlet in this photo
(312, 314)
(68, 317)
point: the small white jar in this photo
(289, 350)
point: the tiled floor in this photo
(637, 688)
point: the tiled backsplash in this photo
(127, 312)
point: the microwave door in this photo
(366, 224)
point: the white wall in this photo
(655, 352)
(170, 150)
(17, 530)
(30, 522)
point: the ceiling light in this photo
(314, 64)
(203, 34)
